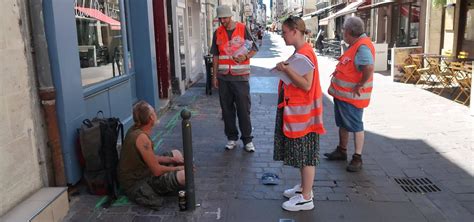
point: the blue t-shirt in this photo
(363, 57)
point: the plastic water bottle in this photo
(182, 200)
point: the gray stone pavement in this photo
(410, 133)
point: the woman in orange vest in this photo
(299, 117)
(351, 87)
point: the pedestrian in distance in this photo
(351, 87)
(231, 62)
(309, 36)
(260, 36)
(299, 118)
(142, 175)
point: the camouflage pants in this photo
(147, 191)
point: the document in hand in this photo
(297, 62)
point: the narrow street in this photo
(410, 133)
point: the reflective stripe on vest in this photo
(302, 110)
(348, 95)
(350, 85)
(296, 127)
(235, 68)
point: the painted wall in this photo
(22, 136)
(435, 24)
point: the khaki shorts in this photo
(147, 191)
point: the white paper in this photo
(298, 63)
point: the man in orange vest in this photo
(351, 87)
(232, 48)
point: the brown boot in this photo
(356, 163)
(338, 154)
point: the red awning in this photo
(94, 13)
(415, 13)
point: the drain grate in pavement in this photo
(286, 220)
(417, 185)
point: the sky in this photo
(267, 3)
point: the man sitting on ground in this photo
(143, 176)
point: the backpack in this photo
(98, 141)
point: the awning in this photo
(415, 13)
(376, 5)
(94, 13)
(351, 8)
(321, 11)
(296, 12)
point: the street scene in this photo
(405, 143)
(215, 110)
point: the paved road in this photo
(410, 133)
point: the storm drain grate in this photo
(417, 185)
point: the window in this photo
(99, 38)
(408, 24)
(190, 22)
(469, 29)
(468, 41)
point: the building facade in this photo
(451, 27)
(25, 164)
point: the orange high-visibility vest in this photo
(346, 77)
(228, 48)
(303, 111)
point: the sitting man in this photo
(142, 174)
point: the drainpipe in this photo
(47, 92)
(427, 26)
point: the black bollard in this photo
(188, 160)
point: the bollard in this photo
(208, 61)
(188, 160)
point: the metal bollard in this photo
(188, 160)
(208, 61)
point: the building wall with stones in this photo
(22, 135)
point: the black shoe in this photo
(356, 163)
(338, 154)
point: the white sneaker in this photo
(231, 144)
(297, 189)
(249, 147)
(298, 203)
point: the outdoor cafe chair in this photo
(409, 73)
(462, 76)
(423, 72)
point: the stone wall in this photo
(22, 136)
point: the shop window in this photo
(468, 41)
(408, 24)
(99, 35)
(190, 22)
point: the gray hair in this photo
(354, 26)
(141, 113)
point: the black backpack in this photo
(98, 140)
